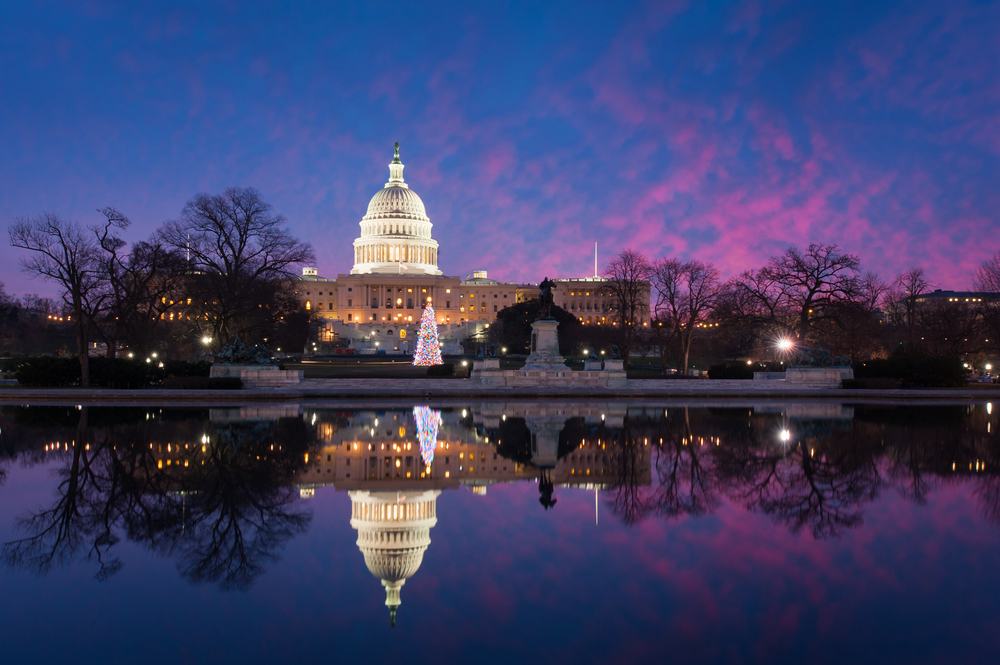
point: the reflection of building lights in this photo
(989, 407)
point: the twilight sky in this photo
(724, 131)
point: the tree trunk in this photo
(84, 353)
(686, 343)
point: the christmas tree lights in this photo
(428, 421)
(428, 351)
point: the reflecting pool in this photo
(501, 531)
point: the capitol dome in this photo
(394, 531)
(396, 231)
(396, 203)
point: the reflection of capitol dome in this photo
(394, 530)
(396, 231)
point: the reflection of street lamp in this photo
(988, 367)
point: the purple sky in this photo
(722, 131)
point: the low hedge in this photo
(913, 371)
(730, 371)
(46, 372)
(444, 369)
(737, 370)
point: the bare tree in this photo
(987, 280)
(628, 283)
(138, 281)
(902, 306)
(815, 285)
(240, 254)
(686, 293)
(67, 254)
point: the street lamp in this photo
(206, 340)
(785, 344)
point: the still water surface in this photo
(592, 532)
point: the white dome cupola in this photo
(396, 231)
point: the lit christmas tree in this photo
(428, 351)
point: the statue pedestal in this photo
(488, 363)
(544, 347)
(546, 368)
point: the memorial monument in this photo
(545, 366)
(254, 365)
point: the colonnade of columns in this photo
(383, 253)
(397, 228)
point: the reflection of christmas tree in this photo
(428, 351)
(428, 421)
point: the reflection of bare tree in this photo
(74, 523)
(224, 516)
(238, 517)
(681, 483)
(628, 497)
(686, 486)
(816, 484)
(987, 493)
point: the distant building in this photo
(971, 298)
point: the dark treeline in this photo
(812, 472)
(222, 505)
(221, 269)
(814, 297)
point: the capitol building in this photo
(378, 305)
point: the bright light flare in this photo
(785, 436)
(785, 344)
